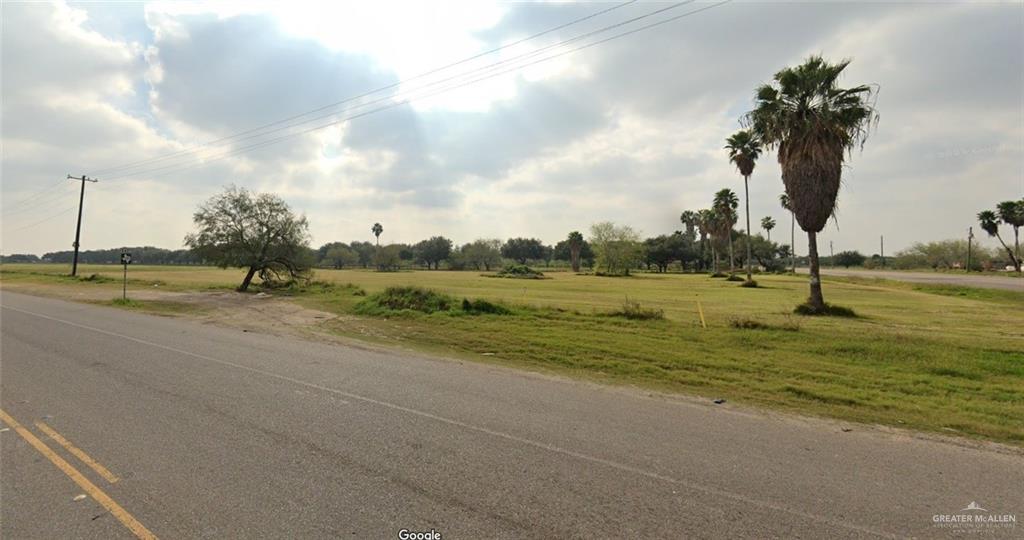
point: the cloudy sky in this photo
(630, 130)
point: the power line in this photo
(35, 195)
(434, 83)
(177, 167)
(44, 220)
(368, 93)
(39, 202)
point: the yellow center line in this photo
(96, 493)
(78, 453)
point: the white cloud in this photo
(631, 130)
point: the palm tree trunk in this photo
(732, 258)
(816, 300)
(769, 233)
(746, 195)
(1016, 245)
(714, 257)
(792, 239)
(1014, 260)
(703, 253)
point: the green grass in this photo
(156, 307)
(934, 358)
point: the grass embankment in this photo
(930, 357)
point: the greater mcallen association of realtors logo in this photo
(974, 518)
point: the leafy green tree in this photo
(765, 252)
(617, 247)
(941, 254)
(340, 256)
(257, 231)
(814, 124)
(406, 252)
(433, 251)
(661, 251)
(388, 258)
(990, 224)
(377, 229)
(1012, 214)
(523, 249)
(482, 254)
(365, 251)
(847, 259)
(321, 251)
(768, 223)
(744, 149)
(725, 205)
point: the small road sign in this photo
(126, 259)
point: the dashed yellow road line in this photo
(96, 493)
(78, 453)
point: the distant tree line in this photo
(140, 255)
(608, 249)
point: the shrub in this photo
(478, 307)
(631, 309)
(605, 274)
(314, 287)
(405, 299)
(718, 275)
(96, 278)
(751, 284)
(830, 310)
(748, 324)
(733, 277)
(125, 302)
(520, 271)
(743, 323)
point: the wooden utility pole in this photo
(970, 238)
(78, 227)
(881, 242)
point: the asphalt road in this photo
(217, 433)
(967, 280)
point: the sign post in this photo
(126, 259)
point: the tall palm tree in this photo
(744, 149)
(785, 203)
(990, 223)
(725, 205)
(713, 222)
(377, 229)
(575, 245)
(689, 219)
(815, 125)
(1012, 214)
(767, 223)
(706, 227)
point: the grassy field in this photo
(935, 358)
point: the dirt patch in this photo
(253, 312)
